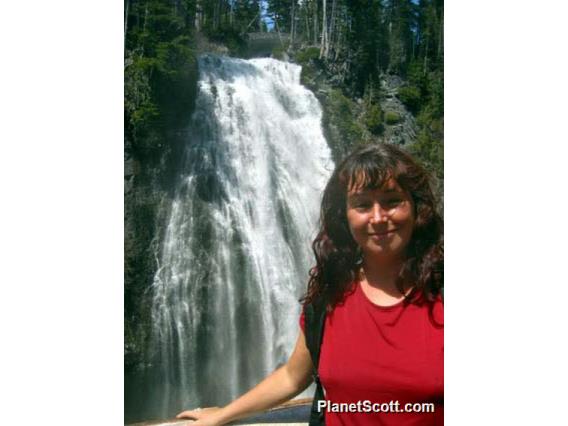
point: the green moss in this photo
(392, 117)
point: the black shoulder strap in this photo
(314, 324)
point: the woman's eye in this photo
(394, 202)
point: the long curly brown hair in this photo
(338, 257)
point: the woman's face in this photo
(381, 221)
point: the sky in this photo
(267, 19)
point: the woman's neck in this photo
(382, 278)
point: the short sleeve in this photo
(303, 321)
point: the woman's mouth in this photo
(381, 234)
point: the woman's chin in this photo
(380, 253)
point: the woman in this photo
(379, 274)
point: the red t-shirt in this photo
(376, 355)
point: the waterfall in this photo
(236, 253)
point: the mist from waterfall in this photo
(236, 253)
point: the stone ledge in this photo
(292, 413)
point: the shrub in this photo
(340, 112)
(230, 37)
(410, 96)
(374, 119)
(278, 53)
(392, 117)
(308, 54)
(436, 89)
(308, 58)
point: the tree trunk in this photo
(292, 23)
(259, 16)
(145, 18)
(278, 31)
(126, 19)
(323, 44)
(198, 15)
(315, 10)
(216, 13)
(306, 15)
(331, 26)
(426, 56)
(441, 35)
(338, 43)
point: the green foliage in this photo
(308, 58)
(158, 93)
(308, 54)
(340, 104)
(436, 94)
(431, 152)
(279, 52)
(280, 12)
(373, 119)
(160, 74)
(174, 81)
(429, 145)
(245, 16)
(160, 81)
(427, 148)
(365, 36)
(138, 105)
(392, 117)
(173, 55)
(410, 97)
(229, 37)
(417, 77)
(424, 96)
(341, 114)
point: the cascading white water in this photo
(236, 253)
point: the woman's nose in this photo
(378, 214)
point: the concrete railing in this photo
(262, 44)
(292, 413)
